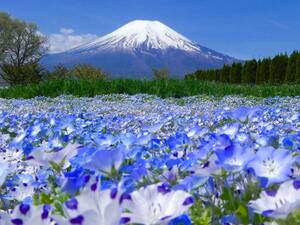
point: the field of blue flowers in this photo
(120, 159)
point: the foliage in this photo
(161, 74)
(225, 73)
(278, 70)
(235, 73)
(263, 71)
(85, 71)
(59, 72)
(291, 71)
(249, 72)
(29, 73)
(21, 47)
(165, 88)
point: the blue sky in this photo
(241, 28)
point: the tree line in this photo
(282, 68)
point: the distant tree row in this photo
(280, 69)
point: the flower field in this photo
(120, 159)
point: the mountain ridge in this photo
(138, 47)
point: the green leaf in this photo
(36, 199)
(55, 166)
(46, 198)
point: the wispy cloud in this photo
(66, 39)
(278, 24)
(66, 30)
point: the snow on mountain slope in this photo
(149, 34)
(138, 47)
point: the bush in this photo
(84, 71)
(23, 74)
(161, 74)
(59, 72)
(162, 88)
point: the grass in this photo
(162, 88)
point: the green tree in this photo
(212, 75)
(291, 70)
(23, 74)
(235, 73)
(225, 72)
(297, 77)
(85, 71)
(5, 29)
(249, 72)
(263, 71)
(161, 74)
(60, 71)
(199, 74)
(278, 69)
(190, 76)
(218, 75)
(21, 46)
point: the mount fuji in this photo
(137, 48)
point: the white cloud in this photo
(66, 30)
(66, 40)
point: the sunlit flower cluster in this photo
(118, 159)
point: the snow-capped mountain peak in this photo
(142, 34)
(140, 46)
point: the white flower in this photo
(155, 204)
(3, 172)
(92, 207)
(280, 203)
(24, 214)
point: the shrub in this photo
(161, 74)
(59, 72)
(23, 74)
(85, 71)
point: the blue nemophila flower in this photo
(197, 131)
(229, 129)
(234, 158)
(73, 180)
(35, 130)
(21, 192)
(182, 220)
(271, 165)
(154, 139)
(43, 158)
(56, 142)
(155, 204)
(265, 140)
(228, 220)
(92, 207)
(177, 140)
(278, 203)
(105, 140)
(27, 147)
(208, 167)
(243, 113)
(18, 140)
(288, 143)
(100, 160)
(128, 140)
